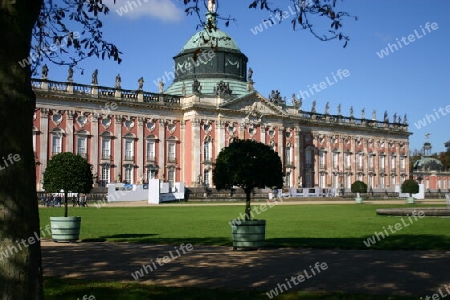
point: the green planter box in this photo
(248, 234)
(65, 229)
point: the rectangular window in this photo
(171, 152)
(371, 181)
(322, 160)
(105, 175)
(82, 146)
(129, 150)
(347, 160)
(106, 151)
(288, 155)
(335, 160)
(171, 177)
(308, 158)
(370, 162)
(150, 150)
(206, 178)
(206, 151)
(56, 141)
(360, 161)
(322, 180)
(393, 166)
(381, 166)
(402, 164)
(128, 175)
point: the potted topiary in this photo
(410, 186)
(67, 172)
(358, 187)
(248, 165)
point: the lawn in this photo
(316, 226)
(61, 289)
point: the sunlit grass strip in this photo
(317, 226)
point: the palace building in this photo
(176, 134)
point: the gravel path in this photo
(415, 273)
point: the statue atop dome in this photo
(212, 6)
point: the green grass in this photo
(61, 289)
(315, 226)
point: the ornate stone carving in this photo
(276, 98)
(118, 119)
(222, 88)
(196, 87)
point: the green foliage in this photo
(359, 187)
(410, 186)
(247, 164)
(69, 172)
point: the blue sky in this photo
(413, 79)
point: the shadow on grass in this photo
(391, 242)
(380, 242)
(61, 289)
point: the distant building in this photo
(177, 133)
(431, 172)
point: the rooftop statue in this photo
(70, 74)
(141, 83)
(95, 77)
(327, 108)
(44, 71)
(212, 6)
(250, 74)
(118, 81)
(339, 109)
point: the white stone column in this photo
(195, 149)
(365, 166)
(140, 140)
(354, 167)
(44, 147)
(161, 147)
(297, 156)
(118, 146)
(280, 146)
(241, 130)
(93, 153)
(183, 153)
(262, 133)
(220, 137)
(70, 131)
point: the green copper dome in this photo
(210, 38)
(211, 60)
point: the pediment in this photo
(255, 105)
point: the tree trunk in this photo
(20, 250)
(65, 204)
(248, 209)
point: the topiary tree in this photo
(358, 187)
(410, 186)
(69, 172)
(247, 164)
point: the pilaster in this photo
(140, 140)
(161, 147)
(118, 146)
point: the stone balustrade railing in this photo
(96, 91)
